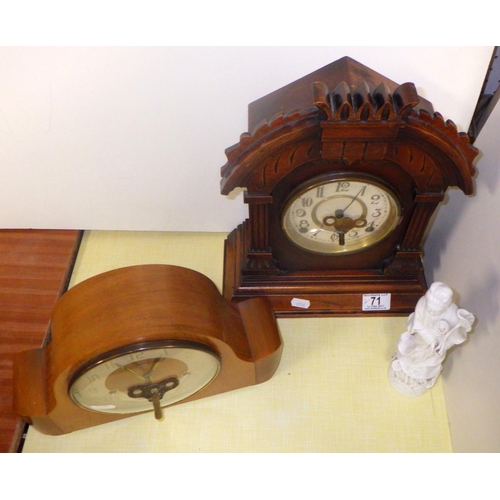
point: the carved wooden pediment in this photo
(354, 121)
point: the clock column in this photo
(258, 256)
(408, 259)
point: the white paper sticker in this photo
(377, 302)
(302, 303)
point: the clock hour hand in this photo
(141, 376)
(127, 369)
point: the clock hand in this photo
(142, 377)
(341, 222)
(353, 200)
(343, 225)
(156, 361)
(126, 368)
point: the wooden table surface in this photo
(35, 266)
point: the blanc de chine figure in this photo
(436, 325)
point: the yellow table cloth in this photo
(329, 394)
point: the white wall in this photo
(134, 137)
(463, 250)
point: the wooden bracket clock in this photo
(342, 171)
(139, 339)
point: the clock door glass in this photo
(340, 216)
(143, 377)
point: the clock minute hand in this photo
(354, 199)
(126, 368)
(156, 361)
(145, 376)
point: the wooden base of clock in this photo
(150, 304)
(332, 293)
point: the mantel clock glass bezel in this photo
(340, 214)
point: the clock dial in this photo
(340, 216)
(145, 376)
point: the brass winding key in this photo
(153, 392)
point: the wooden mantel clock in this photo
(342, 171)
(139, 339)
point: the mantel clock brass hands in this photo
(342, 221)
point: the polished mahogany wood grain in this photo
(34, 268)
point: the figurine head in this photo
(438, 298)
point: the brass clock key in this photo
(153, 392)
(355, 202)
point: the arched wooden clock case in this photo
(139, 339)
(343, 124)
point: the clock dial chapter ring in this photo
(340, 215)
(142, 377)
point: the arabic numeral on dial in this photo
(320, 192)
(300, 212)
(303, 226)
(136, 356)
(109, 366)
(377, 213)
(307, 202)
(375, 199)
(343, 186)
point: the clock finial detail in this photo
(361, 104)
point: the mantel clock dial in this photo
(342, 171)
(135, 378)
(140, 339)
(340, 216)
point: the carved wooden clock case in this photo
(342, 171)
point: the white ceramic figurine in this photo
(436, 325)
